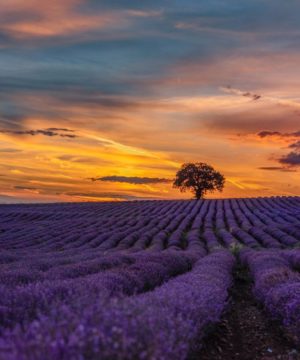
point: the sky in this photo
(104, 100)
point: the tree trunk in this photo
(198, 194)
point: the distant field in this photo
(150, 280)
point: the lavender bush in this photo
(277, 286)
(163, 324)
(139, 280)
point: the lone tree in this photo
(199, 178)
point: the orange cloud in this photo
(33, 18)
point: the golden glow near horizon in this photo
(92, 90)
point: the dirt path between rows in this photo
(246, 332)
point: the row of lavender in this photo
(101, 318)
(276, 278)
(68, 247)
(118, 317)
(72, 249)
(130, 280)
(149, 225)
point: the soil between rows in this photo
(246, 332)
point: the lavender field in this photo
(144, 279)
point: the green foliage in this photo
(236, 248)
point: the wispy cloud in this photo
(275, 100)
(46, 132)
(108, 195)
(276, 168)
(229, 90)
(267, 133)
(295, 145)
(83, 159)
(60, 129)
(19, 187)
(132, 179)
(31, 19)
(9, 150)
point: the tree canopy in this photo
(200, 178)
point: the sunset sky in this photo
(105, 99)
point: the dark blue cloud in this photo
(267, 133)
(132, 179)
(65, 133)
(276, 168)
(291, 159)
